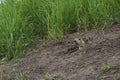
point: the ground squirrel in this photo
(81, 42)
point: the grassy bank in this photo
(22, 20)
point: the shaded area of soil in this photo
(63, 59)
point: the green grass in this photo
(21, 76)
(50, 77)
(105, 67)
(6, 76)
(22, 20)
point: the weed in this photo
(21, 76)
(3, 60)
(105, 67)
(4, 76)
(50, 77)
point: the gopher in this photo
(81, 42)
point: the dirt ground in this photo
(98, 60)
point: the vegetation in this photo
(50, 77)
(22, 20)
(21, 76)
(105, 67)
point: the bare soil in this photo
(99, 60)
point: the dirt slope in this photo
(99, 60)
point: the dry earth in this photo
(99, 60)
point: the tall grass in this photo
(21, 20)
